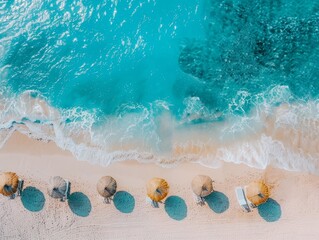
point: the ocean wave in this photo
(284, 136)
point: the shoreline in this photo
(37, 161)
(285, 136)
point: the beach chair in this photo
(250, 204)
(241, 198)
(67, 191)
(153, 203)
(199, 200)
(13, 196)
(108, 200)
(19, 189)
(20, 186)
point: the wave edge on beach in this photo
(285, 136)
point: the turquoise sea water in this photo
(124, 79)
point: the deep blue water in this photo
(201, 61)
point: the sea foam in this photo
(285, 136)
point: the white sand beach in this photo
(294, 197)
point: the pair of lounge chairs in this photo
(199, 200)
(242, 200)
(154, 204)
(252, 195)
(19, 189)
(59, 188)
(11, 185)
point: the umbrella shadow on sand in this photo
(176, 208)
(124, 202)
(32, 199)
(217, 201)
(79, 204)
(270, 211)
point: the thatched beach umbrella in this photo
(106, 186)
(57, 187)
(202, 185)
(157, 189)
(257, 192)
(9, 182)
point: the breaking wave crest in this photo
(286, 136)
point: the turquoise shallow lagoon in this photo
(114, 80)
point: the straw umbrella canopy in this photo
(8, 183)
(157, 189)
(106, 186)
(57, 187)
(257, 192)
(202, 185)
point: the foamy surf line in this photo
(286, 137)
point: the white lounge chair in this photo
(20, 186)
(199, 200)
(19, 189)
(241, 198)
(250, 204)
(107, 200)
(154, 204)
(67, 191)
